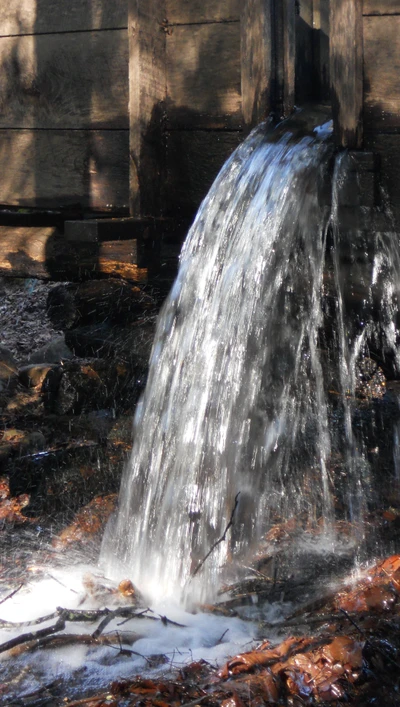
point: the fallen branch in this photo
(221, 539)
(33, 636)
(9, 596)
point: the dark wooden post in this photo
(147, 93)
(268, 59)
(256, 52)
(285, 55)
(346, 49)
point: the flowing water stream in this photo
(236, 407)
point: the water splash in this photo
(235, 400)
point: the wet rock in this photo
(8, 371)
(130, 343)
(80, 387)
(33, 375)
(56, 351)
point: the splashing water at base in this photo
(235, 401)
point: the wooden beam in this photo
(196, 11)
(256, 62)
(381, 73)
(19, 17)
(44, 253)
(381, 7)
(198, 95)
(147, 94)
(288, 10)
(55, 168)
(346, 69)
(73, 80)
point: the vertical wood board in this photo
(256, 61)
(196, 11)
(346, 71)
(77, 80)
(147, 93)
(19, 17)
(203, 76)
(53, 168)
(382, 73)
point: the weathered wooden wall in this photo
(381, 41)
(64, 125)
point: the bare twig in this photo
(12, 594)
(33, 636)
(221, 539)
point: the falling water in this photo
(237, 398)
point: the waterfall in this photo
(235, 423)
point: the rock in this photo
(96, 384)
(33, 375)
(56, 351)
(8, 371)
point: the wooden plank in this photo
(256, 61)
(346, 72)
(77, 80)
(45, 254)
(381, 73)
(147, 94)
(194, 160)
(195, 11)
(54, 168)
(381, 7)
(321, 69)
(387, 148)
(288, 57)
(19, 17)
(306, 77)
(199, 95)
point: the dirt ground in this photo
(24, 326)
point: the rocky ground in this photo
(67, 397)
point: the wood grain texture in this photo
(57, 168)
(45, 254)
(382, 73)
(256, 61)
(194, 160)
(346, 71)
(288, 56)
(65, 81)
(387, 147)
(381, 7)
(192, 11)
(203, 76)
(35, 16)
(147, 94)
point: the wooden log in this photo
(198, 96)
(381, 7)
(196, 11)
(346, 42)
(19, 17)
(74, 80)
(95, 301)
(381, 73)
(147, 93)
(256, 61)
(44, 253)
(131, 343)
(94, 385)
(60, 168)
